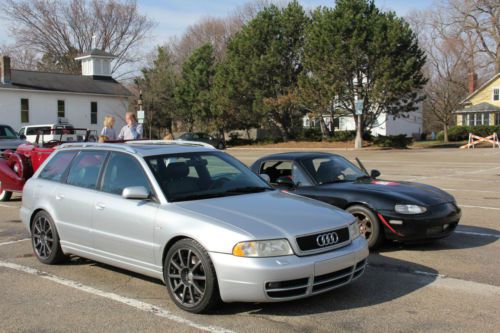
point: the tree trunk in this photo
(445, 130)
(358, 143)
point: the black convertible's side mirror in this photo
(374, 173)
(285, 181)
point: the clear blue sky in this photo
(174, 16)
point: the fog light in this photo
(397, 222)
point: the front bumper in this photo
(290, 277)
(438, 222)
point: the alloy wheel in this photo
(365, 224)
(186, 277)
(43, 237)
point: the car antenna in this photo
(362, 166)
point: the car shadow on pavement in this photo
(384, 280)
(471, 237)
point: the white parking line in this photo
(150, 308)
(14, 242)
(476, 233)
(467, 190)
(480, 207)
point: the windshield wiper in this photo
(248, 189)
(240, 190)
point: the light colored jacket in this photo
(110, 133)
(133, 132)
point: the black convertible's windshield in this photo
(6, 132)
(203, 175)
(332, 169)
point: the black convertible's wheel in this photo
(190, 277)
(369, 225)
(45, 239)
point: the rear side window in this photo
(56, 167)
(36, 130)
(123, 171)
(276, 169)
(85, 169)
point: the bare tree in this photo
(447, 66)
(59, 30)
(482, 19)
(20, 57)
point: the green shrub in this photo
(311, 134)
(461, 133)
(392, 141)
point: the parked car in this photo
(9, 140)
(402, 211)
(192, 216)
(18, 163)
(51, 132)
(203, 137)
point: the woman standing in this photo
(108, 131)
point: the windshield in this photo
(6, 132)
(203, 175)
(332, 169)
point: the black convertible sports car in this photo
(402, 211)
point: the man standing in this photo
(133, 130)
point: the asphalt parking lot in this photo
(446, 286)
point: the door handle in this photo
(100, 206)
(59, 196)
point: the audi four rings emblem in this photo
(330, 238)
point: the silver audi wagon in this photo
(192, 216)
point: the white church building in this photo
(32, 97)
(411, 124)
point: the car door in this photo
(124, 228)
(74, 199)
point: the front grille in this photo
(309, 243)
(320, 283)
(289, 288)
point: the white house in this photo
(31, 97)
(411, 124)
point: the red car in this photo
(16, 167)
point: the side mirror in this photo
(285, 181)
(266, 177)
(135, 193)
(374, 173)
(22, 137)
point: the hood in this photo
(406, 192)
(270, 215)
(11, 143)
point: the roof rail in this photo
(97, 145)
(171, 142)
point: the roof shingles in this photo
(32, 80)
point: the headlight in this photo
(410, 209)
(354, 230)
(266, 248)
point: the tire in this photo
(369, 224)
(221, 146)
(190, 277)
(5, 195)
(45, 240)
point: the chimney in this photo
(472, 82)
(5, 76)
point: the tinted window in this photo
(123, 171)
(57, 165)
(332, 169)
(194, 176)
(6, 132)
(84, 171)
(36, 129)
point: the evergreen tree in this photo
(192, 94)
(357, 52)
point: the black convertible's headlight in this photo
(410, 209)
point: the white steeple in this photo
(96, 62)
